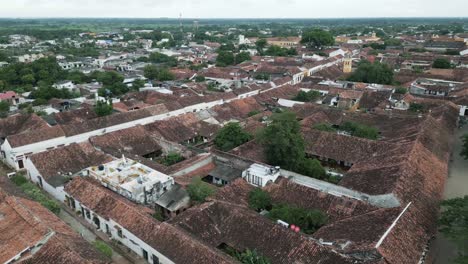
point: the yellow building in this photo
(348, 65)
(284, 42)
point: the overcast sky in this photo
(234, 8)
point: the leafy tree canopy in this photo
(259, 200)
(442, 63)
(103, 108)
(317, 38)
(230, 136)
(453, 223)
(199, 190)
(372, 73)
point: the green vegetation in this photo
(231, 136)
(262, 76)
(308, 220)
(153, 72)
(162, 58)
(317, 38)
(199, 190)
(241, 57)
(453, 224)
(259, 200)
(464, 152)
(41, 72)
(285, 147)
(4, 108)
(112, 83)
(36, 194)
(401, 90)
(251, 257)
(261, 44)
(225, 58)
(200, 78)
(325, 127)
(103, 248)
(442, 63)
(360, 130)
(103, 108)
(253, 113)
(158, 216)
(415, 107)
(372, 73)
(171, 159)
(278, 51)
(309, 96)
(45, 93)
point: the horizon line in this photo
(252, 18)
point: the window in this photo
(155, 260)
(145, 254)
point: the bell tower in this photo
(348, 65)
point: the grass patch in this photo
(103, 248)
(36, 194)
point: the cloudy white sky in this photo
(234, 8)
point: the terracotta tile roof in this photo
(54, 165)
(79, 115)
(135, 140)
(337, 208)
(236, 110)
(170, 241)
(21, 123)
(219, 223)
(25, 223)
(35, 136)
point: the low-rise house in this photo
(135, 228)
(132, 180)
(68, 85)
(11, 98)
(52, 169)
(260, 175)
(32, 234)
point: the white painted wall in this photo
(128, 239)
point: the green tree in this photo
(372, 73)
(251, 257)
(103, 108)
(151, 72)
(137, 84)
(172, 158)
(313, 168)
(110, 78)
(309, 96)
(165, 75)
(401, 90)
(317, 38)
(242, 56)
(162, 58)
(442, 63)
(453, 223)
(199, 190)
(259, 200)
(308, 220)
(225, 58)
(261, 43)
(283, 142)
(230, 136)
(200, 78)
(464, 152)
(4, 108)
(415, 107)
(360, 130)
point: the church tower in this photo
(348, 65)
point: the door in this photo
(20, 164)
